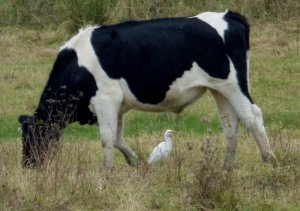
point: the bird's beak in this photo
(173, 131)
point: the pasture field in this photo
(192, 178)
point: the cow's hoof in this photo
(133, 161)
(271, 159)
(229, 166)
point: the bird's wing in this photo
(156, 154)
(165, 151)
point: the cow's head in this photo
(37, 137)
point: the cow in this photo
(153, 65)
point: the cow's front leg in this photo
(129, 155)
(107, 114)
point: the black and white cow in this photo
(154, 65)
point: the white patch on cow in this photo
(78, 38)
(188, 88)
(215, 20)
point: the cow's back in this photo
(151, 55)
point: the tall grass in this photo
(190, 179)
(75, 13)
(44, 13)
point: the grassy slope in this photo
(192, 177)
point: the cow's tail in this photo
(242, 20)
(236, 17)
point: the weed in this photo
(213, 186)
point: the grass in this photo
(75, 180)
(72, 14)
(192, 178)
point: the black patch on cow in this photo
(150, 55)
(237, 43)
(68, 91)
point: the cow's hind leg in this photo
(230, 125)
(251, 115)
(129, 155)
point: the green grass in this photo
(192, 178)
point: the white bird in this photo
(162, 150)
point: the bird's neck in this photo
(168, 139)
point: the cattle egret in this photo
(162, 150)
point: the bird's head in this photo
(168, 133)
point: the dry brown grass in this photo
(191, 178)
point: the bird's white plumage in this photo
(162, 150)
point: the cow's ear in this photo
(23, 119)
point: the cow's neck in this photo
(56, 109)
